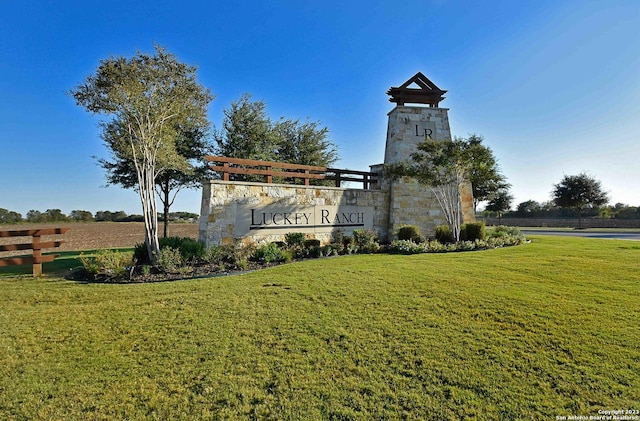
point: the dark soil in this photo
(141, 274)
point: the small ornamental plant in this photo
(409, 232)
(107, 264)
(443, 234)
(406, 247)
(366, 240)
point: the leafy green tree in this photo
(54, 215)
(500, 203)
(304, 143)
(579, 192)
(108, 216)
(484, 175)
(444, 167)
(81, 215)
(9, 217)
(146, 98)
(628, 212)
(35, 216)
(192, 144)
(248, 133)
(529, 208)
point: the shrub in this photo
(338, 236)
(495, 242)
(190, 249)
(218, 255)
(295, 239)
(364, 236)
(311, 243)
(450, 247)
(466, 245)
(347, 241)
(310, 248)
(336, 247)
(109, 263)
(512, 240)
(503, 230)
(140, 254)
(332, 249)
(409, 232)
(406, 247)
(366, 241)
(443, 234)
(435, 247)
(230, 256)
(287, 256)
(371, 247)
(504, 236)
(314, 251)
(170, 260)
(269, 253)
(473, 231)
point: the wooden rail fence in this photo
(284, 170)
(36, 259)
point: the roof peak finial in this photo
(426, 93)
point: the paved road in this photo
(590, 234)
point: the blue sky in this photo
(552, 86)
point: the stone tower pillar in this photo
(412, 203)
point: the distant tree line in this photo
(533, 209)
(575, 196)
(56, 215)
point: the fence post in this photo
(225, 173)
(338, 174)
(269, 176)
(36, 246)
(37, 255)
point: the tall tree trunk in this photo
(166, 205)
(150, 214)
(448, 196)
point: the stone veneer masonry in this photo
(410, 202)
(222, 204)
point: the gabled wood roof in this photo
(426, 93)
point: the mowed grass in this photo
(529, 332)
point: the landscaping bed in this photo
(183, 257)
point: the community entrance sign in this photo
(243, 211)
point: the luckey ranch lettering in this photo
(262, 219)
(343, 218)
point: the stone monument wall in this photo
(257, 212)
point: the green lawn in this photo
(529, 332)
